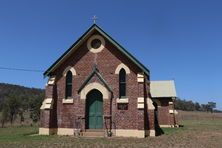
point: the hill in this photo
(15, 100)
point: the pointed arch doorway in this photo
(94, 110)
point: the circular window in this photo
(96, 43)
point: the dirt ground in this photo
(200, 130)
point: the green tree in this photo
(197, 106)
(34, 105)
(211, 106)
(22, 119)
(4, 115)
(15, 100)
(13, 104)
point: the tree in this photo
(211, 106)
(34, 105)
(22, 119)
(13, 106)
(197, 106)
(15, 100)
(4, 115)
(194, 106)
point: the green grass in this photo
(209, 134)
(21, 133)
(168, 131)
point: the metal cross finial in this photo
(94, 18)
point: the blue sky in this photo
(175, 39)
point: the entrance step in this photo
(93, 133)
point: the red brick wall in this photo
(164, 117)
(107, 61)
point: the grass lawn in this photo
(195, 133)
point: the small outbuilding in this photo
(163, 94)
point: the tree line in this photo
(195, 106)
(16, 100)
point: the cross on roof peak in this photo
(94, 18)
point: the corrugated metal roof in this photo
(162, 89)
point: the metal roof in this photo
(162, 89)
(83, 38)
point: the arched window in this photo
(68, 84)
(122, 83)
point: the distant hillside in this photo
(25, 93)
(16, 100)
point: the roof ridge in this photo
(100, 30)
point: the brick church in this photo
(97, 88)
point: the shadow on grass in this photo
(168, 131)
(159, 131)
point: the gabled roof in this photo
(95, 71)
(162, 89)
(82, 39)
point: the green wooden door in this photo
(94, 110)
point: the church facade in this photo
(98, 88)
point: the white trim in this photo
(48, 100)
(91, 49)
(65, 131)
(150, 104)
(72, 69)
(43, 105)
(92, 86)
(122, 100)
(152, 133)
(166, 126)
(170, 103)
(140, 100)
(130, 133)
(140, 106)
(48, 106)
(120, 66)
(51, 81)
(47, 103)
(67, 101)
(117, 132)
(171, 111)
(140, 78)
(47, 131)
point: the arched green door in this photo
(94, 110)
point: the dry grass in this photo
(185, 115)
(200, 130)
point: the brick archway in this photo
(94, 85)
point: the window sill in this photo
(67, 101)
(122, 100)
